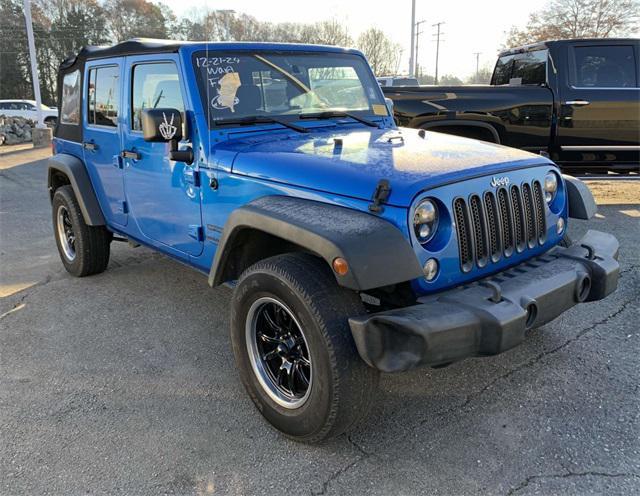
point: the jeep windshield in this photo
(237, 86)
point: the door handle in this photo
(577, 102)
(130, 154)
(88, 145)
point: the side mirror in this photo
(164, 125)
(161, 125)
(389, 103)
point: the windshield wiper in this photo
(260, 119)
(330, 114)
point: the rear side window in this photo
(605, 67)
(103, 100)
(70, 106)
(522, 68)
(154, 86)
(502, 71)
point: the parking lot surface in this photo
(124, 383)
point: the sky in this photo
(469, 26)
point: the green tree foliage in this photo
(561, 19)
(15, 80)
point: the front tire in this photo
(294, 351)
(84, 250)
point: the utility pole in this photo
(418, 33)
(438, 33)
(413, 38)
(477, 54)
(398, 61)
(34, 63)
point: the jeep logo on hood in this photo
(499, 181)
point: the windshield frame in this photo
(371, 90)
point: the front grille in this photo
(496, 224)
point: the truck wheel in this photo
(84, 250)
(293, 347)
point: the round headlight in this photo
(550, 186)
(425, 221)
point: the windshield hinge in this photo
(383, 189)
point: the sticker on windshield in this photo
(379, 109)
(227, 87)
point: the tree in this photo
(61, 29)
(482, 77)
(449, 80)
(15, 80)
(578, 19)
(135, 19)
(381, 52)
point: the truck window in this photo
(70, 106)
(611, 66)
(103, 97)
(521, 68)
(154, 86)
(502, 70)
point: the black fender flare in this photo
(376, 251)
(580, 200)
(464, 123)
(73, 168)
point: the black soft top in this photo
(135, 46)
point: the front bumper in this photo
(491, 315)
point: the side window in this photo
(103, 98)
(29, 106)
(611, 66)
(502, 71)
(70, 106)
(154, 86)
(530, 67)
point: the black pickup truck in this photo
(577, 101)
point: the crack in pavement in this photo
(533, 478)
(335, 475)
(529, 363)
(532, 361)
(26, 294)
(364, 454)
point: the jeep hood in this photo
(350, 163)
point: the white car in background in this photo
(27, 110)
(386, 81)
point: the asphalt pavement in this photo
(124, 383)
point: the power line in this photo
(437, 34)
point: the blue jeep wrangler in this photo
(352, 246)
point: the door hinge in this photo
(117, 161)
(196, 232)
(192, 177)
(125, 207)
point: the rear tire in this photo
(84, 250)
(298, 294)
